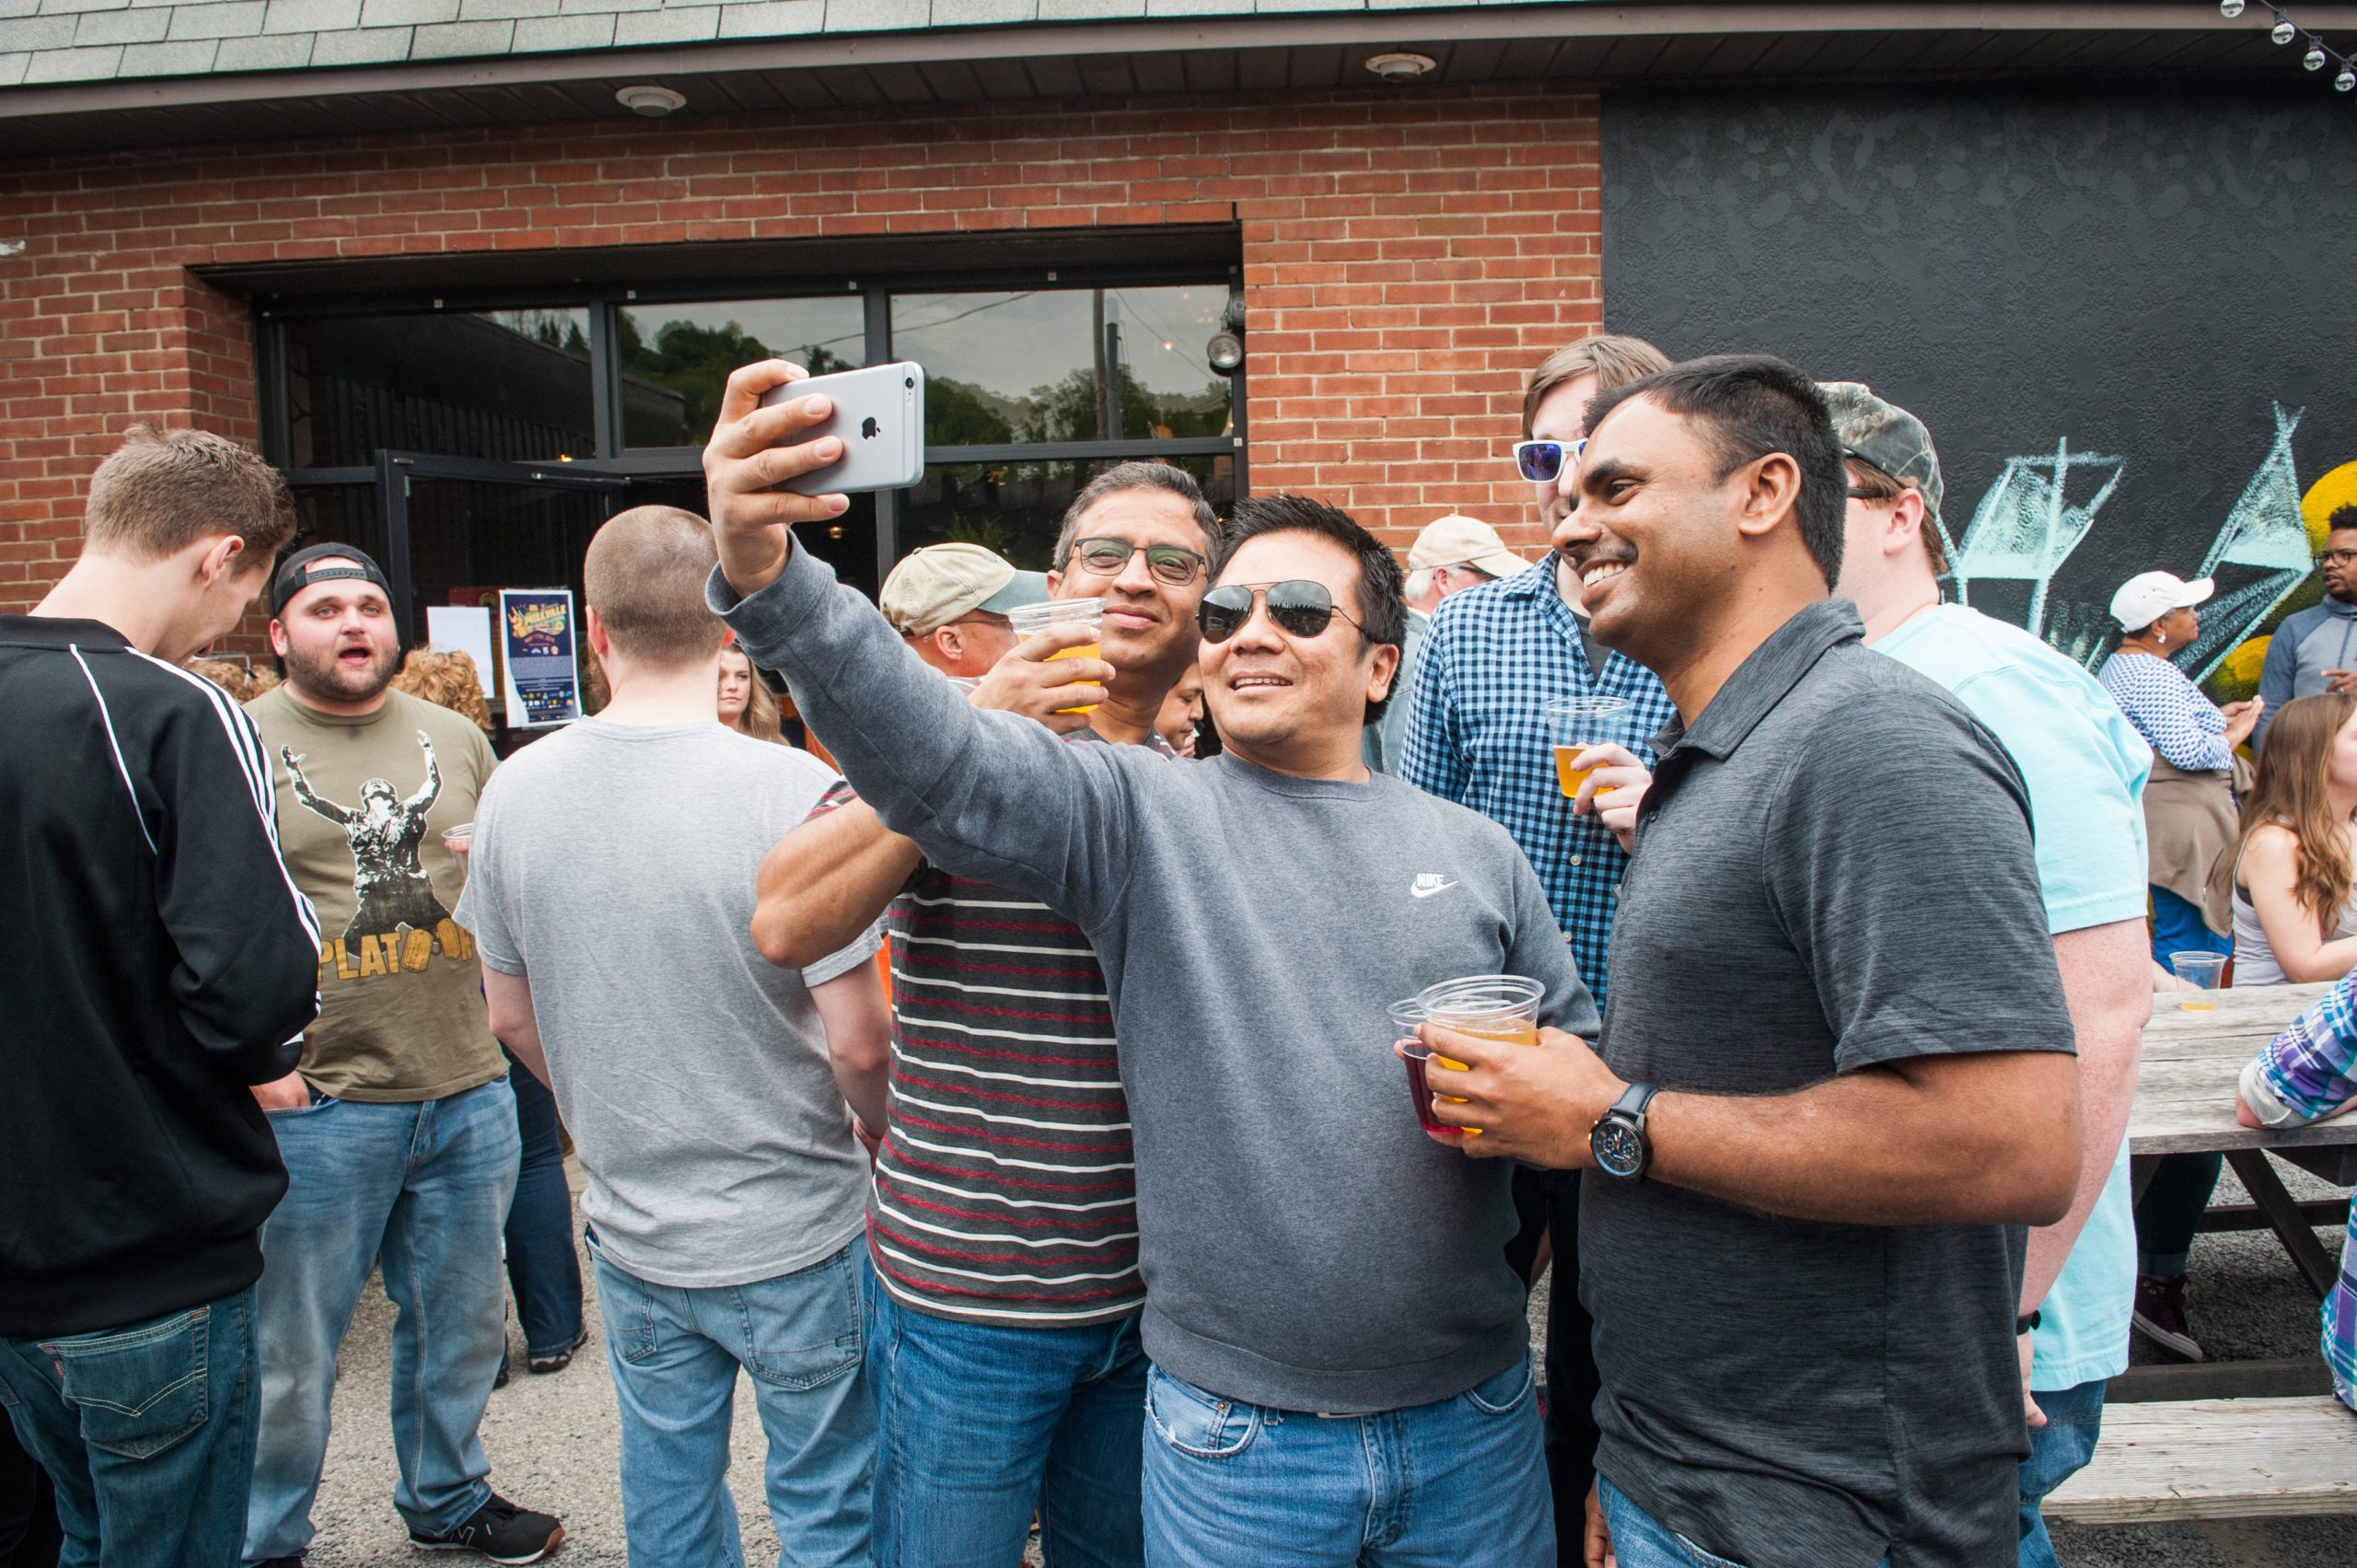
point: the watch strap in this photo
(1633, 1100)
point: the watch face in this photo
(1619, 1149)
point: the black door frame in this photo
(396, 471)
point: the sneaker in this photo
(561, 1360)
(2160, 1315)
(500, 1531)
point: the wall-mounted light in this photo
(1225, 351)
(1400, 67)
(650, 101)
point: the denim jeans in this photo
(1431, 1486)
(423, 1189)
(676, 1353)
(982, 1425)
(541, 1266)
(2177, 928)
(2168, 1214)
(1639, 1540)
(147, 1431)
(2058, 1451)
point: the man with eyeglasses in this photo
(2315, 650)
(1340, 1364)
(1002, 1223)
(1477, 734)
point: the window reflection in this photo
(1017, 508)
(675, 358)
(1065, 365)
(508, 384)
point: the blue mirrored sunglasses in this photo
(1542, 462)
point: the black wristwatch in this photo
(1618, 1140)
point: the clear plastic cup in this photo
(1488, 1006)
(1031, 619)
(1575, 724)
(2203, 972)
(460, 840)
(1405, 1018)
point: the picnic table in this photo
(2185, 1104)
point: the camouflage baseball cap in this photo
(1885, 436)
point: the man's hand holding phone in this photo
(1025, 683)
(744, 462)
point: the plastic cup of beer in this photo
(1487, 1006)
(459, 841)
(1574, 723)
(1031, 619)
(1405, 1018)
(2200, 972)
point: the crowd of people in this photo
(1097, 1207)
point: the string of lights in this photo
(2315, 57)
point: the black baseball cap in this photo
(297, 573)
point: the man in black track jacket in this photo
(155, 962)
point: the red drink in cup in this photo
(1407, 1015)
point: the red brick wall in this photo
(1408, 257)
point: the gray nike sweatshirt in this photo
(1304, 1245)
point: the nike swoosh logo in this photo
(1428, 892)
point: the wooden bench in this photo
(2215, 1459)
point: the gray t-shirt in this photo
(1303, 1244)
(614, 868)
(1833, 870)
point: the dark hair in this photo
(1382, 612)
(1751, 406)
(2343, 517)
(1138, 475)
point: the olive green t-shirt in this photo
(363, 803)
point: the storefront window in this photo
(1015, 508)
(1033, 366)
(675, 358)
(511, 384)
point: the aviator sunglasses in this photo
(1542, 462)
(1300, 608)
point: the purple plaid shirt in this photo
(2305, 1075)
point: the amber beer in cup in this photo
(1487, 1006)
(1031, 619)
(1575, 724)
(2200, 973)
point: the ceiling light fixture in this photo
(1401, 67)
(650, 101)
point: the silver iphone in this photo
(879, 418)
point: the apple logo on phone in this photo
(869, 429)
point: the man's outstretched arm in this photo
(988, 796)
(826, 882)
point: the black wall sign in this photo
(2129, 315)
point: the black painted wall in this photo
(2144, 272)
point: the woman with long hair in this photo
(2295, 918)
(747, 704)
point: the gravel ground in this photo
(554, 1442)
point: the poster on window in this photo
(543, 676)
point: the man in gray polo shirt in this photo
(1341, 1373)
(1804, 1252)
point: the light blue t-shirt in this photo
(2085, 766)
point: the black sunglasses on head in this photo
(1300, 608)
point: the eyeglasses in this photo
(2336, 557)
(1542, 462)
(1170, 563)
(1300, 608)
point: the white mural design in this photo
(2042, 508)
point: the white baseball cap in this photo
(2146, 596)
(1460, 541)
(933, 586)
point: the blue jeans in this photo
(1431, 1486)
(2177, 928)
(676, 1353)
(2058, 1451)
(147, 1431)
(982, 1425)
(423, 1189)
(2168, 1214)
(541, 1266)
(1639, 1540)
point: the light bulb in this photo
(2230, 10)
(2314, 58)
(2346, 80)
(2284, 31)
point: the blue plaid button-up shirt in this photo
(2305, 1075)
(1477, 734)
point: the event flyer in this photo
(543, 674)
